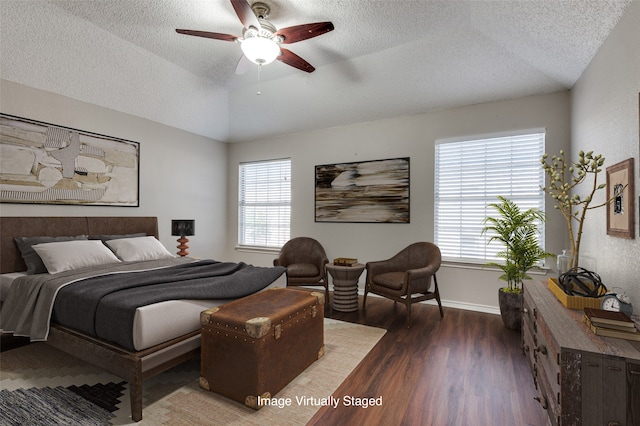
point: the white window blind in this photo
(264, 211)
(469, 175)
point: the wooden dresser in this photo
(582, 379)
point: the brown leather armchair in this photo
(305, 260)
(408, 273)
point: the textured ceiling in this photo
(385, 58)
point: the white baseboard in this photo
(468, 306)
(456, 305)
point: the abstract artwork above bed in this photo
(48, 164)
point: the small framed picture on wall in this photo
(620, 192)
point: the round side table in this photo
(345, 286)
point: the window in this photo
(264, 198)
(469, 175)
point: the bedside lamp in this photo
(183, 227)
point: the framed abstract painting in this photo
(42, 163)
(374, 191)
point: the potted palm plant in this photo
(517, 230)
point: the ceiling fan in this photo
(261, 40)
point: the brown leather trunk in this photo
(254, 346)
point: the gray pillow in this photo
(29, 255)
(116, 237)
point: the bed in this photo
(164, 333)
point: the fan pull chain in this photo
(259, 69)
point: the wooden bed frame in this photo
(134, 367)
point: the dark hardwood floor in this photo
(464, 369)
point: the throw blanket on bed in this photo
(102, 300)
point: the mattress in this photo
(156, 323)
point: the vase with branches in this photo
(564, 177)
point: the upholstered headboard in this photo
(14, 226)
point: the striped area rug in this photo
(40, 385)
(59, 405)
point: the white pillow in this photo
(140, 248)
(67, 255)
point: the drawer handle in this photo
(613, 424)
(614, 368)
(542, 401)
(637, 373)
(527, 349)
(525, 311)
(592, 364)
(542, 349)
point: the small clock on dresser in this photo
(617, 302)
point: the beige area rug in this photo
(175, 398)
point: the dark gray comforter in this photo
(105, 306)
(103, 303)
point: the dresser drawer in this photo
(547, 355)
(633, 397)
(528, 315)
(548, 399)
(543, 347)
(528, 345)
(543, 360)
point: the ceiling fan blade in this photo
(303, 32)
(290, 58)
(243, 65)
(245, 13)
(207, 34)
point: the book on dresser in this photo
(607, 331)
(600, 317)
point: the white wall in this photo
(408, 136)
(182, 175)
(605, 119)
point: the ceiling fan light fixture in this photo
(260, 50)
(261, 40)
